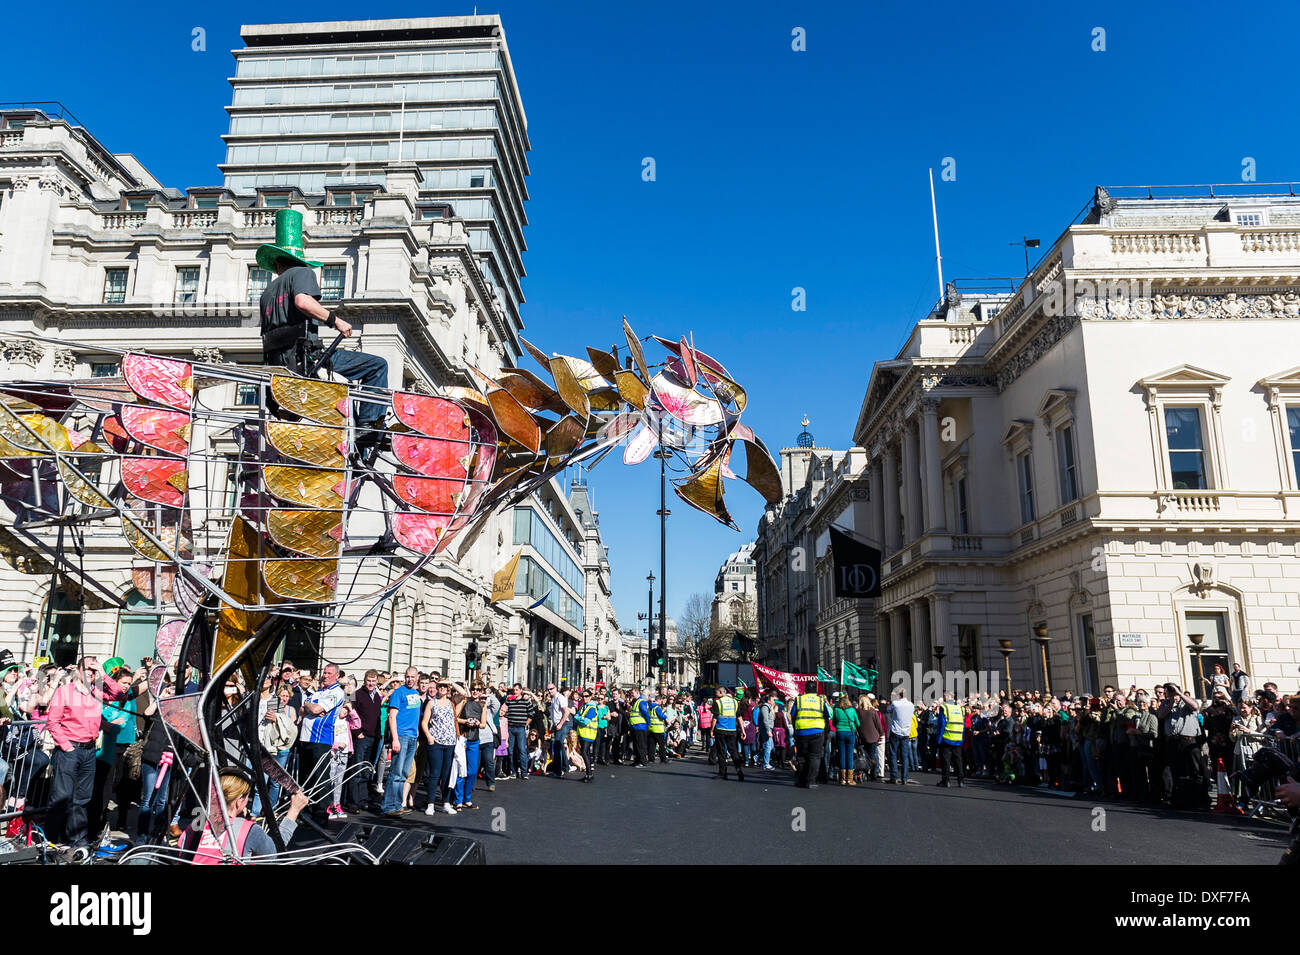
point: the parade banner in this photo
(788, 685)
(860, 678)
(825, 677)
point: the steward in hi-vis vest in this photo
(588, 720)
(658, 727)
(726, 723)
(811, 715)
(952, 731)
(637, 721)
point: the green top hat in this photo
(288, 242)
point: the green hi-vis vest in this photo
(809, 713)
(634, 717)
(656, 720)
(590, 714)
(954, 722)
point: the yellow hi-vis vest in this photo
(726, 714)
(809, 713)
(590, 713)
(656, 721)
(634, 717)
(954, 722)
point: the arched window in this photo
(62, 642)
(137, 629)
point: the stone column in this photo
(919, 610)
(934, 515)
(889, 491)
(940, 605)
(911, 485)
(876, 488)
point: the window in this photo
(331, 282)
(1293, 427)
(187, 284)
(103, 369)
(138, 204)
(206, 202)
(275, 200)
(114, 286)
(1025, 475)
(1088, 638)
(137, 629)
(475, 182)
(1065, 461)
(963, 515)
(1212, 628)
(258, 280)
(64, 630)
(968, 647)
(349, 197)
(1186, 448)
(1250, 219)
(15, 123)
(246, 394)
(735, 585)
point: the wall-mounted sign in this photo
(1132, 640)
(1105, 641)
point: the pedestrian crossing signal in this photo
(661, 654)
(471, 657)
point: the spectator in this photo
(765, 718)
(320, 710)
(245, 838)
(1240, 683)
(366, 704)
(74, 717)
(901, 727)
(521, 708)
(560, 714)
(472, 720)
(403, 728)
(438, 724)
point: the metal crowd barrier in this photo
(1261, 797)
(23, 774)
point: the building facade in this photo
(601, 635)
(735, 594)
(329, 107)
(1095, 473)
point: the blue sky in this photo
(774, 169)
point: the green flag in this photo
(825, 677)
(860, 678)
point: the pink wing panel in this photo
(167, 431)
(164, 380)
(160, 480)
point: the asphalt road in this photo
(681, 813)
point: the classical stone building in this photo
(784, 549)
(735, 594)
(600, 637)
(1105, 457)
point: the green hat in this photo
(288, 242)
(113, 664)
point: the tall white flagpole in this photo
(934, 213)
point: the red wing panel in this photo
(167, 431)
(160, 480)
(436, 495)
(434, 457)
(419, 532)
(164, 380)
(436, 417)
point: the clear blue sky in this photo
(775, 169)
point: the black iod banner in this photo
(857, 566)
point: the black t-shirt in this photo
(277, 307)
(473, 710)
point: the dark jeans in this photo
(559, 758)
(811, 749)
(589, 756)
(602, 745)
(74, 781)
(519, 749)
(309, 755)
(897, 757)
(639, 745)
(363, 753)
(441, 757)
(487, 762)
(950, 761)
(727, 750)
(153, 802)
(658, 748)
(369, 370)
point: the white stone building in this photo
(1107, 457)
(735, 593)
(600, 637)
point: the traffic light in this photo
(600, 674)
(471, 657)
(661, 654)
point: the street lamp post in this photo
(1196, 650)
(1005, 648)
(662, 454)
(650, 624)
(1042, 639)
